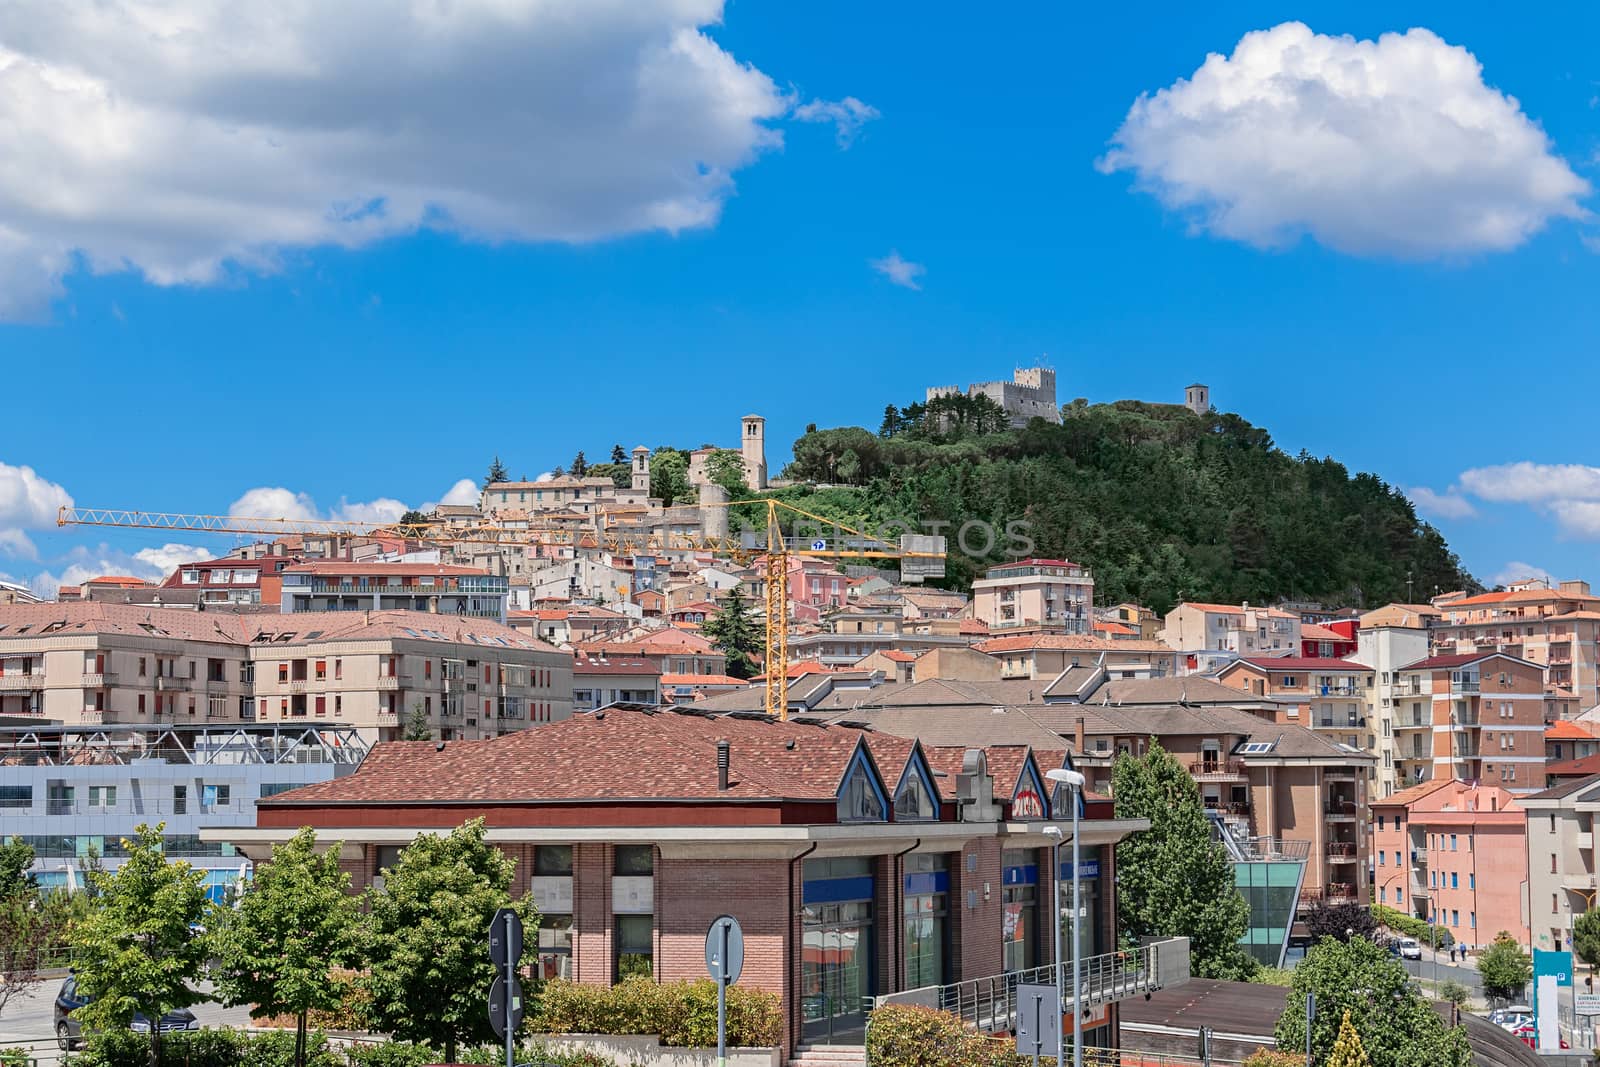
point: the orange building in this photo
(1457, 852)
(1477, 717)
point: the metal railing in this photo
(990, 1004)
(1203, 769)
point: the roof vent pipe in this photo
(722, 765)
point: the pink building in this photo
(815, 587)
(1455, 851)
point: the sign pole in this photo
(722, 1002)
(1311, 1012)
(511, 977)
(724, 963)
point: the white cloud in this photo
(266, 502)
(384, 509)
(83, 562)
(1533, 482)
(28, 501)
(847, 115)
(1390, 147)
(464, 491)
(164, 560)
(1517, 571)
(181, 139)
(17, 545)
(1449, 504)
(899, 271)
(1579, 519)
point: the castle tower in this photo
(641, 469)
(713, 510)
(1197, 398)
(753, 448)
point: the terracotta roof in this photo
(1520, 596)
(897, 655)
(1567, 730)
(1567, 787)
(1440, 663)
(1581, 767)
(1237, 609)
(1310, 631)
(1068, 642)
(972, 627)
(702, 679)
(1303, 663)
(617, 755)
(1405, 797)
(341, 567)
(117, 579)
(1114, 628)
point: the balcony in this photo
(1463, 719)
(297, 685)
(1336, 690)
(1339, 892)
(167, 683)
(1343, 722)
(1341, 852)
(13, 682)
(1340, 809)
(1464, 685)
(1232, 770)
(1339, 774)
(1419, 858)
(1409, 687)
(391, 682)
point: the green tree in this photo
(417, 728)
(1175, 879)
(135, 951)
(415, 518)
(1454, 992)
(27, 929)
(497, 473)
(891, 422)
(725, 467)
(1586, 938)
(580, 465)
(1347, 1049)
(1506, 969)
(618, 455)
(669, 476)
(430, 973)
(1398, 1027)
(734, 633)
(16, 856)
(296, 922)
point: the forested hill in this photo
(1163, 504)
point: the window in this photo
(1383, 895)
(214, 796)
(1289, 681)
(102, 796)
(272, 789)
(635, 946)
(1454, 880)
(860, 800)
(322, 670)
(555, 945)
(1399, 895)
(1472, 920)
(636, 860)
(141, 666)
(1455, 917)
(1553, 908)
(16, 796)
(1452, 842)
(1380, 822)
(338, 669)
(914, 802)
(1472, 880)
(1552, 863)
(1383, 859)
(180, 800)
(1397, 857)
(553, 861)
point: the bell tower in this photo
(641, 469)
(753, 449)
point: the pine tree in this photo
(497, 473)
(891, 422)
(417, 728)
(618, 455)
(735, 635)
(1175, 879)
(1347, 1050)
(580, 466)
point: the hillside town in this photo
(1440, 758)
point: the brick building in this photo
(858, 864)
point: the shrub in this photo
(683, 1014)
(906, 1036)
(1454, 992)
(394, 1054)
(1411, 926)
(493, 1055)
(1271, 1057)
(15, 1057)
(205, 1048)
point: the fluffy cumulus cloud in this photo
(900, 271)
(1449, 504)
(276, 502)
(27, 502)
(182, 139)
(1392, 147)
(1518, 571)
(847, 115)
(267, 502)
(464, 491)
(82, 562)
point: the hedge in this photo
(683, 1013)
(205, 1048)
(902, 1035)
(1412, 926)
(406, 1054)
(1271, 1057)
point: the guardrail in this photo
(990, 1004)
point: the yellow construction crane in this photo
(921, 556)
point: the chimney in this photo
(722, 766)
(1077, 736)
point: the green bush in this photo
(905, 1036)
(396, 1054)
(14, 1057)
(1271, 1057)
(493, 1055)
(1411, 926)
(683, 1014)
(205, 1048)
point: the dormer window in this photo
(861, 799)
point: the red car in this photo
(1529, 1034)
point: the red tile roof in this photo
(1113, 628)
(702, 679)
(118, 579)
(1303, 663)
(342, 568)
(1069, 642)
(1567, 730)
(1582, 767)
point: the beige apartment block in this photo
(1044, 656)
(1232, 628)
(107, 663)
(1561, 866)
(1557, 628)
(1043, 595)
(1387, 641)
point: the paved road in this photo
(28, 1020)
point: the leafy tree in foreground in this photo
(1505, 968)
(497, 473)
(1586, 938)
(27, 926)
(428, 938)
(16, 856)
(1360, 982)
(1341, 922)
(293, 926)
(735, 635)
(135, 950)
(1347, 1050)
(1175, 879)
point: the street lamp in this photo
(1073, 781)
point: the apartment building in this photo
(432, 588)
(73, 791)
(1329, 695)
(1557, 628)
(1388, 640)
(1044, 656)
(1561, 869)
(1454, 852)
(1477, 717)
(600, 681)
(1041, 595)
(580, 496)
(105, 663)
(1206, 633)
(232, 582)
(13, 593)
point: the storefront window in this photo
(553, 861)
(555, 946)
(836, 969)
(927, 885)
(635, 946)
(1020, 901)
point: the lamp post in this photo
(1054, 833)
(1074, 784)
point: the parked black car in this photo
(69, 1034)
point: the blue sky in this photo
(189, 322)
